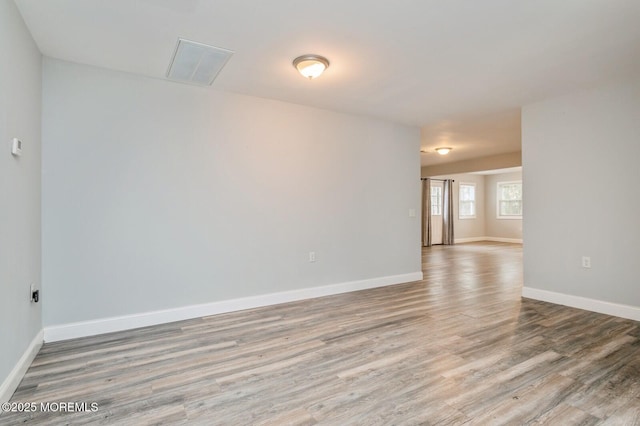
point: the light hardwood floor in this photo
(460, 347)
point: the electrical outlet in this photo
(312, 256)
(586, 262)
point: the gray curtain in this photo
(447, 212)
(426, 212)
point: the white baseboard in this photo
(495, 239)
(469, 240)
(504, 240)
(609, 308)
(127, 322)
(12, 381)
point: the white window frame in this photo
(474, 201)
(498, 199)
(439, 204)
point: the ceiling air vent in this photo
(197, 63)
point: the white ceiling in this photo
(461, 69)
(472, 137)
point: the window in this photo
(467, 201)
(509, 200)
(436, 200)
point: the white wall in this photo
(580, 164)
(158, 195)
(20, 100)
(510, 229)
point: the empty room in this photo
(241, 212)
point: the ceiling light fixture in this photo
(444, 150)
(311, 66)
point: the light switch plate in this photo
(16, 147)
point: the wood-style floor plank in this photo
(459, 347)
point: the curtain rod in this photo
(441, 180)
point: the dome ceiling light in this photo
(444, 150)
(311, 66)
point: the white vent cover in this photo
(197, 63)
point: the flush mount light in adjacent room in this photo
(197, 63)
(311, 66)
(444, 150)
